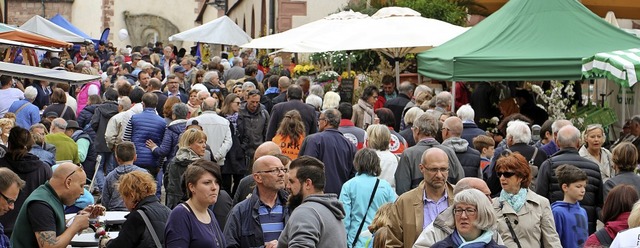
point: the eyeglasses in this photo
(71, 174)
(254, 92)
(9, 200)
(469, 211)
(275, 171)
(436, 170)
(506, 174)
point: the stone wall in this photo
(20, 11)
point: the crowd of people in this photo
(231, 153)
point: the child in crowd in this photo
(378, 231)
(485, 145)
(571, 219)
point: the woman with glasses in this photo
(290, 134)
(593, 138)
(191, 147)
(473, 223)
(28, 166)
(234, 167)
(192, 223)
(362, 195)
(524, 217)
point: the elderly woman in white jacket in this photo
(378, 138)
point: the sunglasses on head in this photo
(506, 174)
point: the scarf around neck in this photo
(516, 201)
(368, 110)
(484, 239)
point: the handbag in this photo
(375, 188)
(150, 227)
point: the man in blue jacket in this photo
(260, 219)
(27, 114)
(331, 147)
(144, 126)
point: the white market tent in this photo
(221, 31)
(32, 72)
(342, 21)
(42, 26)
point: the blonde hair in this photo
(382, 217)
(378, 137)
(6, 122)
(191, 136)
(634, 217)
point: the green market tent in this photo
(526, 40)
(621, 66)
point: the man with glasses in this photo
(174, 89)
(10, 186)
(267, 203)
(41, 221)
(419, 207)
(568, 139)
(438, 230)
(408, 174)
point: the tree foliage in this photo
(443, 10)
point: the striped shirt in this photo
(271, 220)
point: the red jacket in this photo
(612, 227)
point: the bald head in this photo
(434, 154)
(472, 183)
(568, 137)
(267, 148)
(64, 169)
(209, 104)
(454, 126)
(264, 162)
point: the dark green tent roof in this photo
(526, 40)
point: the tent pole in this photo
(453, 94)
(397, 71)
(624, 104)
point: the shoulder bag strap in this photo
(64, 110)
(513, 232)
(21, 107)
(375, 188)
(150, 227)
(604, 238)
(534, 156)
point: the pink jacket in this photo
(83, 95)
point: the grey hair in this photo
(405, 87)
(486, 217)
(180, 110)
(277, 61)
(366, 161)
(316, 90)
(125, 102)
(314, 101)
(59, 123)
(207, 107)
(331, 100)
(443, 99)
(426, 124)
(203, 93)
(519, 131)
(378, 137)
(333, 117)
(209, 75)
(569, 139)
(236, 61)
(558, 124)
(466, 113)
(30, 93)
(412, 114)
(247, 85)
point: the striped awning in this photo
(622, 66)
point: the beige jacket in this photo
(363, 114)
(438, 230)
(407, 217)
(533, 224)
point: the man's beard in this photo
(294, 201)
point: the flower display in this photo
(303, 69)
(327, 76)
